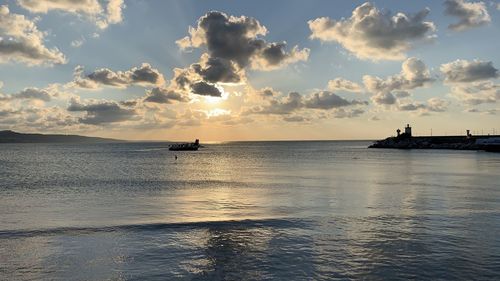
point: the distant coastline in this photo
(9, 136)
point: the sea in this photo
(294, 210)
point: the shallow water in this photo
(247, 211)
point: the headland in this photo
(8, 136)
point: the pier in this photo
(465, 142)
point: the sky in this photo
(249, 70)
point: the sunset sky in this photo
(249, 70)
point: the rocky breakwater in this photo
(438, 142)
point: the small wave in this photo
(246, 223)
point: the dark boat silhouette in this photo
(189, 146)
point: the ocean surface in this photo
(247, 211)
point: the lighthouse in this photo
(408, 130)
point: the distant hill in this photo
(8, 136)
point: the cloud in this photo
(29, 94)
(145, 75)
(34, 118)
(402, 94)
(476, 93)
(100, 112)
(33, 93)
(347, 113)
(113, 14)
(384, 98)
(432, 105)
(393, 91)
(92, 9)
(77, 43)
(21, 41)
(205, 89)
(216, 70)
(280, 106)
(294, 101)
(164, 95)
(274, 56)
(437, 104)
(70, 6)
(341, 84)
(492, 111)
(329, 100)
(463, 71)
(237, 39)
(295, 118)
(414, 73)
(470, 14)
(411, 106)
(372, 34)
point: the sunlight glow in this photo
(218, 112)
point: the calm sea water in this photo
(247, 211)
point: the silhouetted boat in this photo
(189, 146)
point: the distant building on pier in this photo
(406, 134)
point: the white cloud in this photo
(476, 93)
(100, 112)
(21, 41)
(470, 14)
(145, 75)
(113, 14)
(92, 9)
(463, 71)
(341, 84)
(77, 43)
(329, 100)
(384, 98)
(372, 34)
(43, 6)
(414, 74)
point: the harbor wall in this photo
(433, 142)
